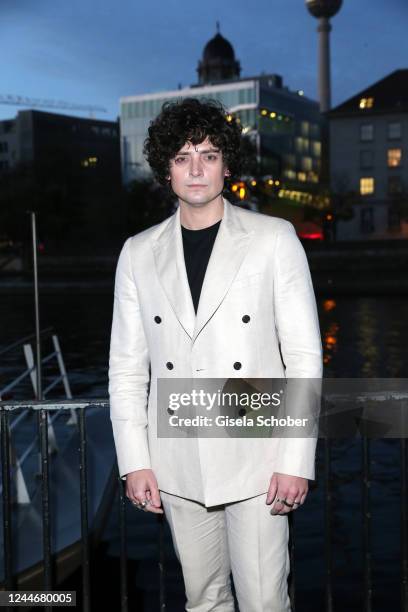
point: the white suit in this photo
(257, 294)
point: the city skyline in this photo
(93, 54)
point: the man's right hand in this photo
(141, 485)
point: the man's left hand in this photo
(287, 493)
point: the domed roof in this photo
(218, 48)
(218, 62)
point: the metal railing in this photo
(31, 371)
(42, 408)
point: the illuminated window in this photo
(290, 174)
(394, 130)
(366, 132)
(394, 158)
(394, 185)
(366, 159)
(306, 163)
(366, 103)
(301, 176)
(89, 161)
(367, 186)
(317, 148)
(312, 177)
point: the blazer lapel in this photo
(230, 247)
(171, 269)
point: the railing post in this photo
(292, 586)
(404, 513)
(45, 486)
(83, 475)
(328, 524)
(366, 511)
(123, 546)
(328, 505)
(7, 515)
(162, 562)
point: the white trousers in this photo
(242, 537)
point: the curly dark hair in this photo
(192, 120)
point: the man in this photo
(213, 291)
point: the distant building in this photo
(369, 157)
(284, 125)
(87, 145)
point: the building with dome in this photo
(284, 125)
(218, 62)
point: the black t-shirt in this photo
(197, 245)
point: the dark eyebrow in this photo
(204, 151)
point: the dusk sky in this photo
(95, 51)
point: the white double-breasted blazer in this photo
(257, 268)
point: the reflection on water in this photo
(364, 337)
